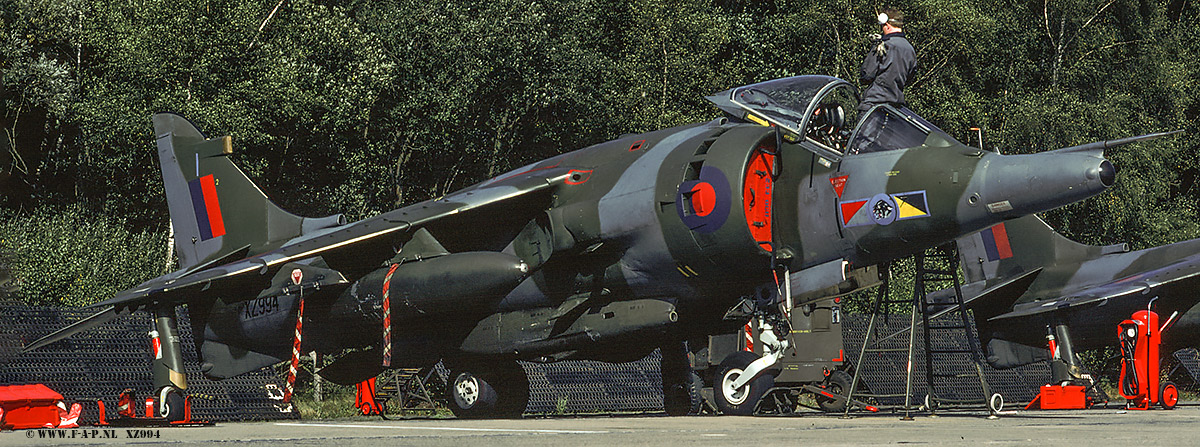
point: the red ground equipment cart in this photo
(1139, 382)
(1069, 386)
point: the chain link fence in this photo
(100, 363)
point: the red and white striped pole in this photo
(297, 275)
(387, 318)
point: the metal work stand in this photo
(927, 272)
(406, 390)
(879, 307)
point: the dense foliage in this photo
(75, 258)
(332, 105)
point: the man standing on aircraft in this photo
(888, 64)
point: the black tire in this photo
(680, 384)
(683, 399)
(838, 383)
(471, 396)
(513, 388)
(488, 391)
(170, 404)
(743, 400)
(1168, 395)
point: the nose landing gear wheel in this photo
(740, 401)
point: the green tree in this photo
(331, 104)
(74, 257)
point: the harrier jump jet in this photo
(1026, 282)
(604, 253)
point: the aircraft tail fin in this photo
(217, 212)
(1018, 246)
(1002, 262)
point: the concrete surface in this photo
(1097, 427)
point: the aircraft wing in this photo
(85, 324)
(368, 242)
(1186, 269)
(981, 296)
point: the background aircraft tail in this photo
(1000, 264)
(1010, 249)
(218, 213)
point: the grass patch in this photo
(337, 402)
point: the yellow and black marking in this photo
(686, 271)
(911, 205)
(756, 119)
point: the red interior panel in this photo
(756, 196)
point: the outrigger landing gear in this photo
(167, 405)
(169, 378)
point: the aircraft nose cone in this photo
(1016, 185)
(1105, 172)
(1108, 173)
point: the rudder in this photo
(1014, 247)
(217, 212)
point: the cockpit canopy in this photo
(820, 113)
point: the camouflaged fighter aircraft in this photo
(605, 253)
(1026, 282)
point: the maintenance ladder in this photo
(935, 265)
(406, 390)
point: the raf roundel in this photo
(703, 199)
(703, 204)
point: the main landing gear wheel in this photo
(170, 404)
(1168, 395)
(740, 401)
(838, 384)
(488, 391)
(682, 399)
(681, 386)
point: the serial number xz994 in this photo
(259, 307)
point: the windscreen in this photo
(888, 129)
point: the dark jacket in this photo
(887, 73)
